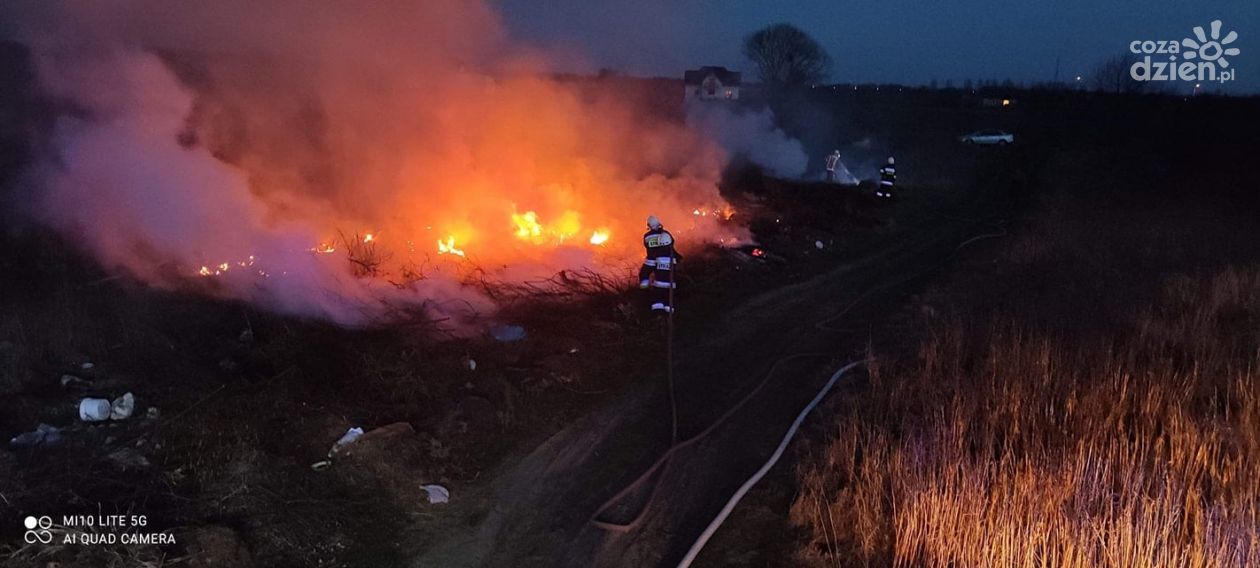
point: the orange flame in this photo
(448, 247)
(527, 226)
(598, 238)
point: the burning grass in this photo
(1014, 441)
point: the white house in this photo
(711, 84)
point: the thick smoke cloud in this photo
(751, 135)
(311, 156)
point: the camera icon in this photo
(37, 530)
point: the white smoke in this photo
(751, 135)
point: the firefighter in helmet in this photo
(832, 161)
(657, 272)
(887, 179)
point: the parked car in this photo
(988, 138)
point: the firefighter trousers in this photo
(658, 274)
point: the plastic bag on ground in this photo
(437, 493)
(122, 407)
(43, 435)
(346, 439)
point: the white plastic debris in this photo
(86, 366)
(44, 435)
(818, 245)
(152, 412)
(470, 363)
(346, 439)
(437, 494)
(71, 381)
(122, 407)
(94, 409)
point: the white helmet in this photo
(890, 161)
(653, 222)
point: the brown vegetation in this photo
(1079, 405)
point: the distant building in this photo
(711, 84)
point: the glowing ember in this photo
(369, 237)
(325, 248)
(448, 247)
(598, 238)
(758, 253)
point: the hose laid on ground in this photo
(717, 521)
(664, 461)
(774, 458)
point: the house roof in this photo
(697, 76)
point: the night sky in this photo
(897, 41)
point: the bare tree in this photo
(1112, 76)
(785, 56)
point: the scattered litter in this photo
(357, 437)
(87, 366)
(818, 245)
(44, 435)
(152, 412)
(470, 363)
(247, 336)
(94, 409)
(346, 439)
(71, 381)
(508, 333)
(122, 407)
(573, 350)
(437, 494)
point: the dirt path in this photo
(542, 505)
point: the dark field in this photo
(1078, 387)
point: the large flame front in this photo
(445, 135)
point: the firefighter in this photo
(658, 265)
(887, 178)
(832, 161)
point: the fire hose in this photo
(662, 464)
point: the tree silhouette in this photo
(785, 56)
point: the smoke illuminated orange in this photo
(440, 132)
